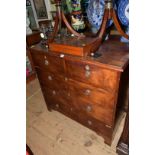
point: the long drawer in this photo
(62, 105)
(54, 63)
(93, 102)
(92, 74)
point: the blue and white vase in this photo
(95, 12)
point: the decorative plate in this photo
(123, 12)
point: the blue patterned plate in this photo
(123, 11)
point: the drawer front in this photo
(59, 100)
(77, 115)
(93, 102)
(92, 74)
(44, 61)
(92, 123)
(52, 80)
(55, 98)
(62, 104)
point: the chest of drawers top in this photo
(113, 55)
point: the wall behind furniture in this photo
(49, 7)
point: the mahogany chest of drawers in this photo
(86, 89)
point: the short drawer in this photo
(52, 80)
(92, 74)
(47, 62)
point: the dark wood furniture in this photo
(31, 39)
(86, 89)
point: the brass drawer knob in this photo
(46, 62)
(87, 68)
(89, 122)
(57, 105)
(49, 77)
(92, 54)
(87, 92)
(54, 92)
(108, 126)
(66, 79)
(62, 55)
(87, 74)
(89, 108)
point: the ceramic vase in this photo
(95, 11)
(77, 21)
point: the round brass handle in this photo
(108, 126)
(66, 79)
(57, 105)
(92, 54)
(87, 68)
(54, 92)
(49, 77)
(46, 62)
(89, 122)
(87, 92)
(62, 55)
(89, 108)
(87, 74)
